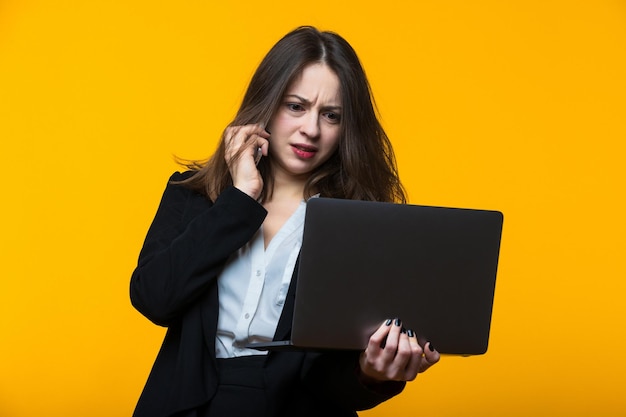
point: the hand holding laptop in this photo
(394, 353)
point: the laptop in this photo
(363, 262)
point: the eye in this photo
(295, 107)
(333, 117)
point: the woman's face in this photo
(305, 129)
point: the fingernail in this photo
(398, 322)
(268, 132)
(430, 346)
(388, 322)
(409, 333)
(403, 330)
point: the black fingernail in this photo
(268, 132)
(388, 322)
(403, 330)
(398, 322)
(430, 346)
(409, 333)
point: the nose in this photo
(310, 125)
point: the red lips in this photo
(304, 151)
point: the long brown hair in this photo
(362, 168)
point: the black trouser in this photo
(241, 390)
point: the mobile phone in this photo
(259, 152)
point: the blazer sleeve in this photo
(188, 242)
(334, 376)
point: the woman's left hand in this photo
(394, 354)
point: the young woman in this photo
(217, 264)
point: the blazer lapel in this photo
(283, 330)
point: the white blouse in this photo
(253, 286)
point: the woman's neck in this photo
(287, 189)
(284, 200)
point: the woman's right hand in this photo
(241, 147)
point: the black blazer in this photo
(174, 285)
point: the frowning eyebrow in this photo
(308, 102)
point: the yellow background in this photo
(517, 106)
